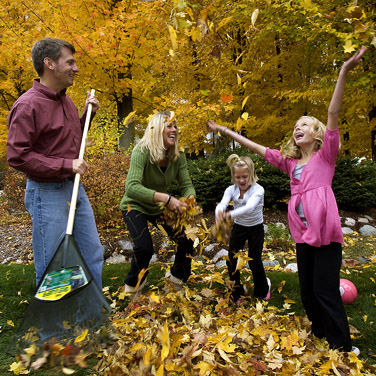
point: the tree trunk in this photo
(372, 115)
(124, 107)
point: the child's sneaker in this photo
(176, 283)
(134, 289)
(267, 297)
(355, 350)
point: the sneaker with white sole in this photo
(355, 350)
(267, 297)
(176, 283)
(134, 289)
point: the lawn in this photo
(204, 309)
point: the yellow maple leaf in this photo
(154, 297)
(128, 119)
(32, 350)
(348, 46)
(82, 336)
(226, 345)
(245, 101)
(191, 232)
(165, 340)
(287, 342)
(173, 37)
(18, 369)
(241, 261)
(204, 367)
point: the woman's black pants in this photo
(137, 224)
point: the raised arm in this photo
(259, 149)
(335, 103)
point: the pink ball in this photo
(348, 291)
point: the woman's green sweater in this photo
(145, 178)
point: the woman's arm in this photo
(335, 103)
(257, 148)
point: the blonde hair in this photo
(234, 161)
(153, 137)
(291, 150)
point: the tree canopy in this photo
(255, 66)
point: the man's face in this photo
(65, 68)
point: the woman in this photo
(155, 163)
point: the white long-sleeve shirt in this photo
(248, 211)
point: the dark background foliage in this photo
(354, 184)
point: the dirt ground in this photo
(16, 239)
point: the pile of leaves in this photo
(56, 352)
(199, 331)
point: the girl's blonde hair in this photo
(291, 150)
(234, 161)
(153, 137)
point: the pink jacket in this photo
(314, 189)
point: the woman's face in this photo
(170, 133)
(303, 131)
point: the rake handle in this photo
(76, 185)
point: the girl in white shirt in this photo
(247, 197)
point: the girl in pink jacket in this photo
(309, 159)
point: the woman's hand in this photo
(176, 205)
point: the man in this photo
(44, 139)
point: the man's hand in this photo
(79, 166)
(92, 99)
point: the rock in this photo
(369, 218)
(364, 260)
(209, 247)
(222, 253)
(266, 228)
(154, 258)
(220, 264)
(282, 225)
(350, 222)
(271, 263)
(363, 220)
(367, 230)
(347, 231)
(116, 259)
(125, 245)
(7, 260)
(292, 268)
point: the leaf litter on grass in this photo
(201, 332)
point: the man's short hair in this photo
(48, 47)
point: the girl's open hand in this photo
(354, 59)
(213, 126)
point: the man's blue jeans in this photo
(48, 205)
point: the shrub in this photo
(354, 183)
(104, 186)
(278, 238)
(211, 176)
(14, 184)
